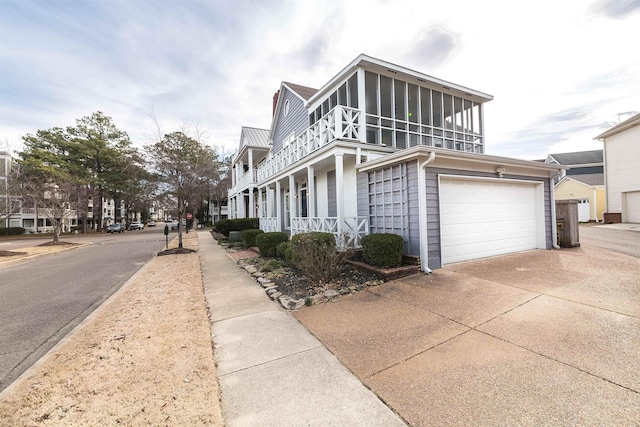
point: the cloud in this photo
(432, 49)
(615, 9)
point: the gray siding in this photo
(331, 193)
(296, 121)
(363, 194)
(388, 200)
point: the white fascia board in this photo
(568, 178)
(469, 159)
(629, 123)
(365, 61)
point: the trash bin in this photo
(235, 236)
(567, 222)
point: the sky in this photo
(560, 71)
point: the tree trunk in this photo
(179, 223)
(99, 219)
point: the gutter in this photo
(554, 224)
(422, 212)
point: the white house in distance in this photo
(381, 148)
(622, 171)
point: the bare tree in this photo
(49, 196)
(180, 162)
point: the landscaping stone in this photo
(331, 293)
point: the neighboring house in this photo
(584, 181)
(384, 149)
(622, 171)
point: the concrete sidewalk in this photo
(272, 371)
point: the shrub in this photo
(224, 226)
(11, 231)
(315, 255)
(268, 242)
(283, 251)
(383, 250)
(270, 266)
(249, 237)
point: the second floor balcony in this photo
(339, 123)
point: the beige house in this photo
(583, 180)
(622, 171)
(590, 190)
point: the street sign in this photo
(189, 216)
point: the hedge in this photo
(383, 250)
(11, 231)
(249, 236)
(224, 226)
(269, 242)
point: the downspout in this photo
(554, 225)
(422, 212)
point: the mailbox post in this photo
(166, 235)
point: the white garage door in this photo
(482, 218)
(632, 208)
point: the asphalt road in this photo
(42, 300)
(622, 240)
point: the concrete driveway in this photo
(536, 338)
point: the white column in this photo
(251, 165)
(252, 203)
(292, 197)
(361, 106)
(311, 193)
(278, 206)
(340, 189)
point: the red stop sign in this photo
(189, 216)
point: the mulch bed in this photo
(11, 253)
(58, 243)
(176, 251)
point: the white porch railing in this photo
(353, 229)
(46, 212)
(339, 123)
(249, 177)
(268, 224)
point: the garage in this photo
(632, 206)
(482, 217)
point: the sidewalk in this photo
(272, 371)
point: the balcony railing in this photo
(339, 123)
(353, 229)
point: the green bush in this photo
(268, 242)
(315, 255)
(224, 226)
(283, 251)
(11, 231)
(383, 250)
(249, 237)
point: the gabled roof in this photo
(630, 122)
(303, 92)
(588, 179)
(577, 158)
(255, 137)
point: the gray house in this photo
(384, 149)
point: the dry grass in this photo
(143, 358)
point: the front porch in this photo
(347, 232)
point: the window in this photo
(286, 108)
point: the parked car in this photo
(174, 226)
(115, 228)
(136, 226)
(151, 224)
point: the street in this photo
(621, 238)
(42, 300)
